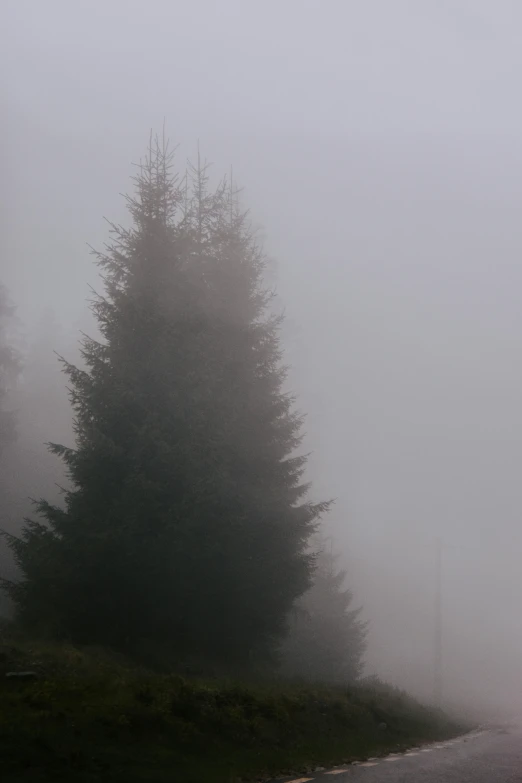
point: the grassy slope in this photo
(92, 718)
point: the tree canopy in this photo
(187, 521)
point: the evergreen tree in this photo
(326, 639)
(10, 367)
(187, 523)
(9, 370)
(42, 411)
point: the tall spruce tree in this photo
(326, 639)
(188, 521)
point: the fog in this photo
(378, 145)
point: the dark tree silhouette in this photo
(187, 523)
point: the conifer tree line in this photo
(186, 526)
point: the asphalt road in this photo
(486, 756)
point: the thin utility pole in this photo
(325, 540)
(437, 635)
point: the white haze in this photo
(379, 144)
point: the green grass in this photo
(92, 717)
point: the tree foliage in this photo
(187, 521)
(327, 638)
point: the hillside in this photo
(87, 716)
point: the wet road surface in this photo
(485, 756)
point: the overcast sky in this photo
(379, 143)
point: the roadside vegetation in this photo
(90, 716)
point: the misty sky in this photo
(379, 143)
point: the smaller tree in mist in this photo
(42, 411)
(10, 366)
(187, 522)
(326, 639)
